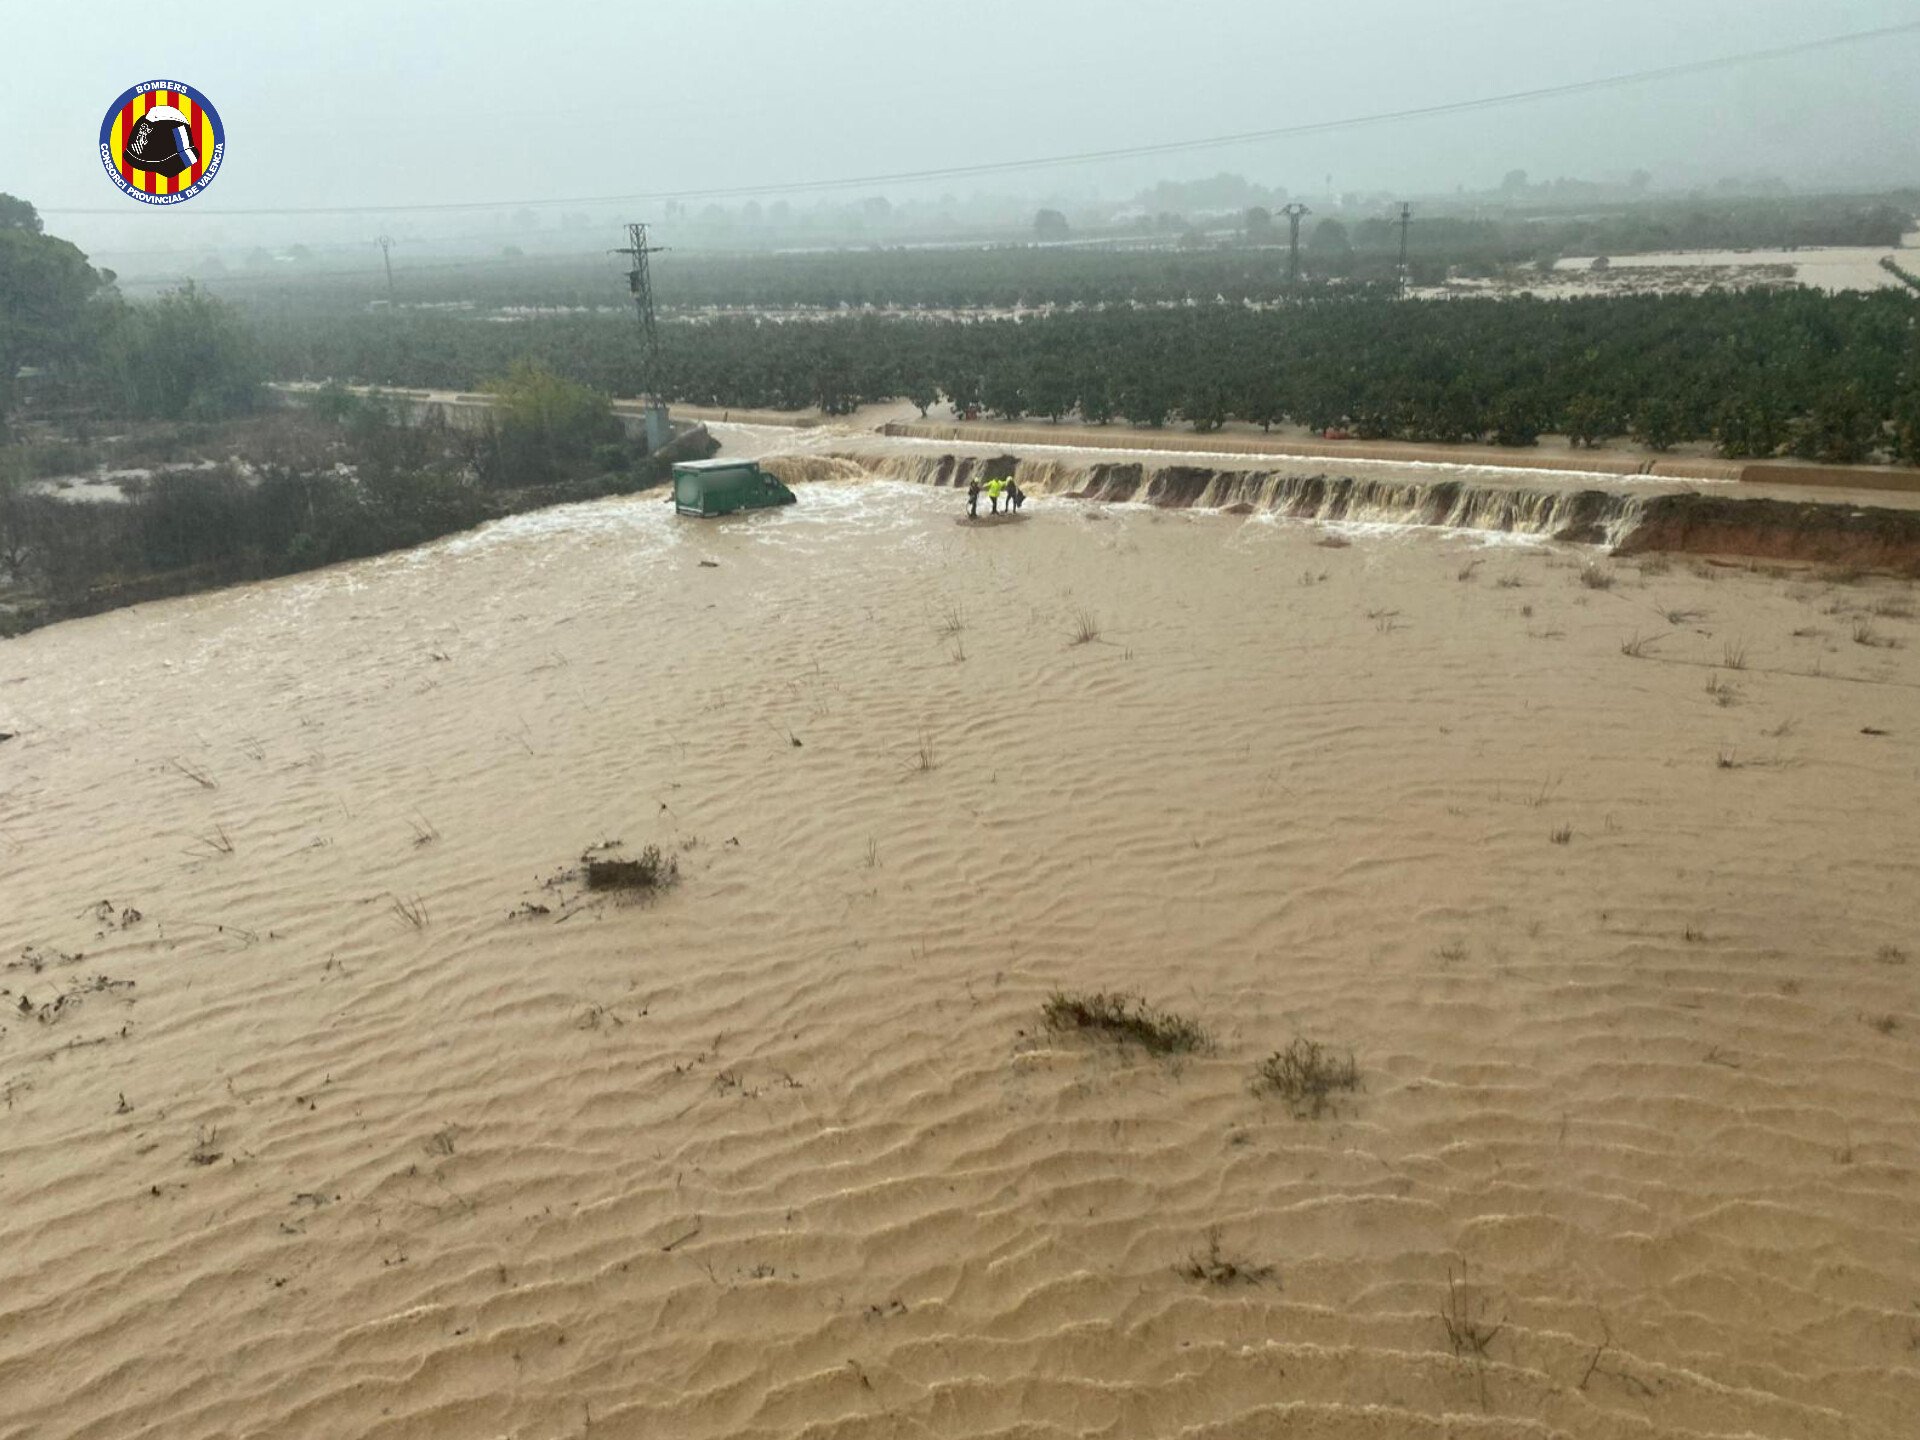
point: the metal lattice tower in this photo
(1294, 212)
(1406, 218)
(640, 282)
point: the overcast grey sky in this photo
(355, 102)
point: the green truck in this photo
(720, 487)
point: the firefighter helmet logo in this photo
(162, 142)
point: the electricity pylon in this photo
(1294, 212)
(640, 282)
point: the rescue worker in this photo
(1016, 497)
(973, 499)
(995, 488)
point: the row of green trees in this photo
(1757, 373)
(1833, 377)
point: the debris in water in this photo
(651, 872)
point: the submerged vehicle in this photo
(720, 487)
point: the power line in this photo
(1127, 152)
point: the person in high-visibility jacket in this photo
(995, 489)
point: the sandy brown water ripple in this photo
(788, 1151)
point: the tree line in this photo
(235, 487)
(68, 337)
(1757, 373)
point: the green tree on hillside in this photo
(1329, 249)
(961, 385)
(1096, 396)
(922, 391)
(544, 428)
(47, 290)
(1906, 427)
(1748, 428)
(1049, 225)
(1906, 407)
(18, 214)
(183, 356)
(1840, 428)
(1590, 420)
(13, 519)
(1657, 424)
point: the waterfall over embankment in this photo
(1629, 522)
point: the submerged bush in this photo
(1127, 1019)
(1306, 1075)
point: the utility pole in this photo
(640, 282)
(1406, 216)
(1294, 212)
(385, 242)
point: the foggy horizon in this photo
(363, 106)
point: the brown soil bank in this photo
(1627, 517)
(1872, 537)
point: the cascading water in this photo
(1589, 516)
(1624, 519)
(812, 469)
